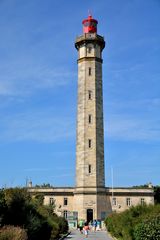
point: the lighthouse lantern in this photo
(90, 25)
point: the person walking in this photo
(81, 224)
(86, 229)
(95, 225)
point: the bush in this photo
(148, 230)
(59, 226)
(62, 224)
(17, 208)
(12, 233)
(17, 201)
(38, 228)
(128, 224)
(120, 225)
(55, 231)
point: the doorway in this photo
(89, 215)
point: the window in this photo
(114, 201)
(89, 49)
(128, 202)
(65, 214)
(89, 95)
(65, 201)
(89, 143)
(86, 24)
(142, 201)
(51, 201)
(89, 168)
(89, 71)
(89, 118)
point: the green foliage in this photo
(125, 224)
(12, 233)
(44, 185)
(60, 226)
(3, 207)
(18, 208)
(38, 199)
(38, 228)
(62, 223)
(141, 186)
(55, 231)
(18, 202)
(148, 229)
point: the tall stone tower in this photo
(90, 179)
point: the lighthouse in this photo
(90, 177)
(89, 199)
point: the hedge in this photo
(148, 229)
(132, 224)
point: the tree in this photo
(18, 208)
(44, 185)
(3, 206)
(18, 203)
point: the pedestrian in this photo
(81, 224)
(95, 224)
(86, 229)
(98, 225)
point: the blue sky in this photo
(38, 89)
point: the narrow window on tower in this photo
(89, 95)
(89, 71)
(89, 118)
(89, 168)
(89, 143)
(89, 49)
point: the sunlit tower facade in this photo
(90, 176)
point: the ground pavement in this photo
(99, 235)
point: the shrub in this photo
(149, 229)
(17, 208)
(18, 201)
(123, 225)
(55, 231)
(63, 225)
(12, 233)
(120, 225)
(37, 226)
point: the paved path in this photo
(99, 235)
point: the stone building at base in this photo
(90, 198)
(114, 200)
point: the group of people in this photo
(84, 227)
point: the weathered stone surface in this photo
(90, 191)
(88, 182)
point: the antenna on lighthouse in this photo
(89, 13)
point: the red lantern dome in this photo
(90, 25)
